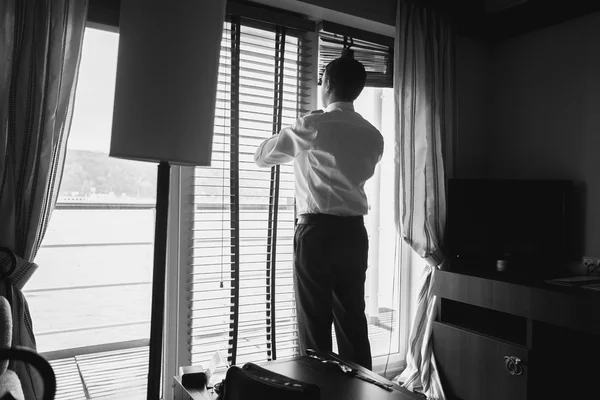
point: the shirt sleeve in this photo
(287, 144)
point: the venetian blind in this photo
(241, 287)
(374, 51)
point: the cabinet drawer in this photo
(473, 366)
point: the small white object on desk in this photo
(501, 265)
(215, 362)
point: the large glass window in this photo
(241, 289)
(90, 299)
(381, 289)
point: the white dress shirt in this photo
(335, 153)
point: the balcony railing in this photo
(105, 364)
(84, 343)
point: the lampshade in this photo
(166, 83)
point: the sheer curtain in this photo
(41, 42)
(423, 84)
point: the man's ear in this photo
(328, 86)
(325, 85)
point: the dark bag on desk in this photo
(252, 382)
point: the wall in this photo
(472, 97)
(350, 13)
(544, 114)
(383, 11)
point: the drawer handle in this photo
(513, 365)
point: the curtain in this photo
(41, 45)
(424, 76)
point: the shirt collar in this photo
(342, 105)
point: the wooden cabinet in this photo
(485, 325)
(475, 366)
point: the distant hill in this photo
(88, 172)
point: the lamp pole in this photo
(158, 280)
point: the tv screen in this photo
(525, 220)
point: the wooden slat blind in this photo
(240, 287)
(373, 51)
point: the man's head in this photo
(343, 79)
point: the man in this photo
(335, 153)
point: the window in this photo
(382, 285)
(376, 104)
(381, 290)
(90, 299)
(240, 290)
(238, 296)
(374, 51)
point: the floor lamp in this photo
(164, 110)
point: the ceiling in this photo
(489, 19)
(495, 6)
(501, 19)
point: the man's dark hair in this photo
(347, 76)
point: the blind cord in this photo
(226, 84)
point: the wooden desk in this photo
(333, 383)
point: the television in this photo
(527, 222)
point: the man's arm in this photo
(286, 145)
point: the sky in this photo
(92, 118)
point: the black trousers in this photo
(330, 264)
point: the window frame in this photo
(100, 17)
(176, 334)
(176, 316)
(104, 15)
